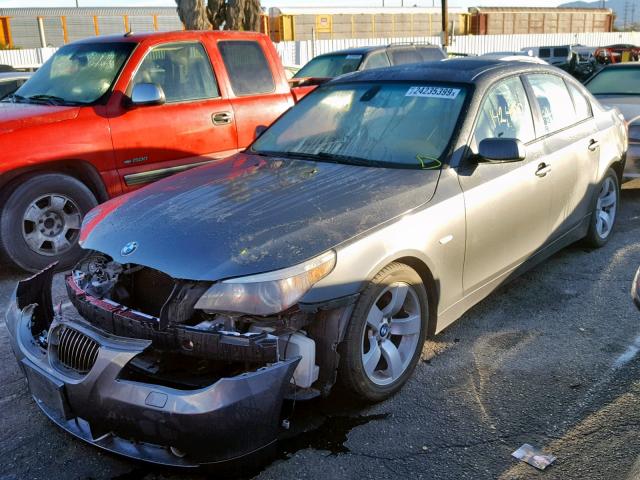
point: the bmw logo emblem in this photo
(384, 330)
(129, 248)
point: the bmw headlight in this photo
(267, 293)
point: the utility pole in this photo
(445, 24)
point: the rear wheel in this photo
(40, 221)
(605, 211)
(385, 335)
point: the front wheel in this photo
(605, 211)
(40, 221)
(385, 335)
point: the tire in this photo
(40, 221)
(606, 204)
(366, 338)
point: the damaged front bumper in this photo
(231, 418)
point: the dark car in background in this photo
(618, 85)
(372, 214)
(338, 63)
(12, 81)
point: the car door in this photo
(193, 126)
(507, 204)
(567, 127)
(258, 97)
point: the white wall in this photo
(300, 52)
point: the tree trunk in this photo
(220, 14)
(193, 13)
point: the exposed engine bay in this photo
(190, 348)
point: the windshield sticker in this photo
(353, 57)
(433, 92)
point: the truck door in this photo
(260, 94)
(195, 124)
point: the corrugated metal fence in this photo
(299, 53)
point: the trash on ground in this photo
(533, 456)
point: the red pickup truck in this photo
(106, 115)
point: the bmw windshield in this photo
(77, 74)
(398, 125)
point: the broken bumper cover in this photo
(231, 418)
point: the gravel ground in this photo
(549, 360)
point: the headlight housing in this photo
(267, 293)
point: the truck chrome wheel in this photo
(51, 224)
(606, 207)
(391, 334)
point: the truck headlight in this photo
(267, 293)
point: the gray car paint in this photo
(268, 214)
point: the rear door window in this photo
(544, 53)
(248, 68)
(556, 105)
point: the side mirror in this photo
(635, 289)
(260, 129)
(144, 94)
(501, 150)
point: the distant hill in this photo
(616, 5)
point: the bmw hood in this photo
(250, 214)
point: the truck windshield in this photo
(395, 125)
(76, 74)
(330, 66)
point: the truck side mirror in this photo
(635, 289)
(144, 94)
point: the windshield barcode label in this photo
(433, 92)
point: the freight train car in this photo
(41, 27)
(512, 20)
(338, 23)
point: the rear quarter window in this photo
(247, 66)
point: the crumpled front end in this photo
(184, 393)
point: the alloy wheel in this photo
(606, 207)
(391, 334)
(51, 224)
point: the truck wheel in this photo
(384, 338)
(605, 211)
(40, 221)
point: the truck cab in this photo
(105, 116)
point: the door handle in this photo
(543, 169)
(593, 145)
(222, 118)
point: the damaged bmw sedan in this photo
(372, 214)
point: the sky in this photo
(282, 3)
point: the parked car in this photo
(621, 52)
(578, 60)
(618, 86)
(11, 81)
(375, 212)
(332, 64)
(106, 115)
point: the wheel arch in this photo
(431, 284)
(78, 169)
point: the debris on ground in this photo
(533, 456)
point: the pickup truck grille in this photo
(76, 351)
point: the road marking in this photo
(629, 354)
